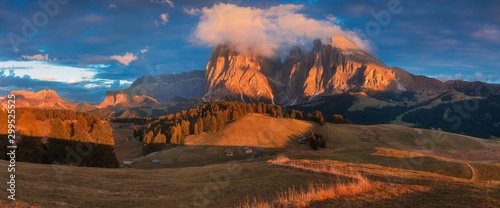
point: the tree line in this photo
(69, 133)
(211, 117)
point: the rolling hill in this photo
(401, 169)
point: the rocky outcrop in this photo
(231, 75)
(160, 88)
(41, 99)
(332, 68)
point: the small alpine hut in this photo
(248, 150)
(229, 152)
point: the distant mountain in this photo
(474, 88)
(334, 68)
(40, 99)
(161, 88)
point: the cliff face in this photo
(234, 76)
(113, 97)
(333, 68)
(40, 99)
(161, 88)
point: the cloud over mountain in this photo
(264, 31)
(125, 59)
(36, 57)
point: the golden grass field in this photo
(397, 167)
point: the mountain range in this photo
(333, 77)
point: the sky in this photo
(83, 48)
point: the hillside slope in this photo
(404, 168)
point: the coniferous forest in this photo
(75, 138)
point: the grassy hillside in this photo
(404, 167)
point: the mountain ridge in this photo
(332, 68)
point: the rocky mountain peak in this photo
(341, 42)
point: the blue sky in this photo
(83, 48)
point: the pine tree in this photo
(4, 129)
(220, 121)
(249, 108)
(102, 133)
(279, 111)
(299, 115)
(213, 127)
(201, 128)
(185, 127)
(234, 115)
(259, 109)
(81, 130)
(58, 130)
(196, 129)
(30, 124)
(176, 134)
(207, 123)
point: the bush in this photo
(316, 140)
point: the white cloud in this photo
(491, 33)
(145, 50)
(164, 18)
(36, 57)
(125, 59)
(444, 78)
(264, 31)
(331, 18)
(47, 71)
(72, 80)
(192, 11)
(477, 76)
(112, 6)
(169, 2)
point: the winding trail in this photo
(474, 175)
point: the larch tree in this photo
(102, 133)
(30, 124)
(4, 129)
(81, 130)
(58, 130)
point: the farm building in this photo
(229, 152)
(248, 150)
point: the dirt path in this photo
(474, 176)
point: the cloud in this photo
(444, 78)
(491, 33)
(192, 11)
(125, 59)
(164, 18)
(331, 18)
(112, 6)
(477, 76)
(36, 57)
(264, 31)
(145, 50)
(169, 2)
